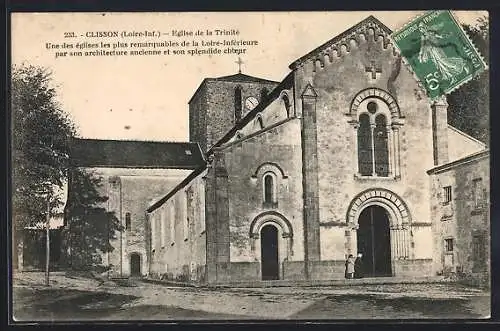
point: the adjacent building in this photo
(131, 175)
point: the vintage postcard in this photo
(250, 165)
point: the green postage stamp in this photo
(439, 52)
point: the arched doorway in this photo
(374, 241)
(269, 252)
(135, 265)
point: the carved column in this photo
(253, 239)
(399, 242)
(397, 158)
(372, 127)
(406, 241)
(390, 149)
(288, 243)
(355, 161)
(394, 250)
(351, 238)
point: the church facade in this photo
(336, 159)
(331, 161)
(283, 180)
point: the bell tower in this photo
(220, 103)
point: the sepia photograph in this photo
(227, 166)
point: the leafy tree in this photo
(469, 105)
(41, 163)
(40, 151)
(89, 225)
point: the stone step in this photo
(309, 283)
(338, 282)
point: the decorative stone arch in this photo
(400, 220)
(394, 119)
(269, 167)
(282, 223)
(273, 217)
(379, 94)
(398, 212)
(279, 182)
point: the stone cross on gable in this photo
(239, 62)
(374, 69)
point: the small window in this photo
(447, 194)
(372, 107)
(268, 188)
(448, 244)
(237, 104)
(128, 221)
(478, 193)
(478, 253)
(286, 102)
(261, 123)
(263, 94)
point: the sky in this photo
(146, 97)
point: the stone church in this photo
(283, 180)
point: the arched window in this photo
(128, 221)
(261, 123)
(373, 139)
(286, 102)
(269, 188)
(377, 122)
(263, 94)
(365, 158)
(381, 146)
(237, 104)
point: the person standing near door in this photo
(358, 266)
(349, 267)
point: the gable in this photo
(461, 144)
(344, 39)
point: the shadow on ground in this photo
(75, 305)
(33, 304)
(378, 307)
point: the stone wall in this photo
(276, 150)
(198, 117)
(132, 191)
(235, 209)
(178, 249)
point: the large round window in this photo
(372, 107)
